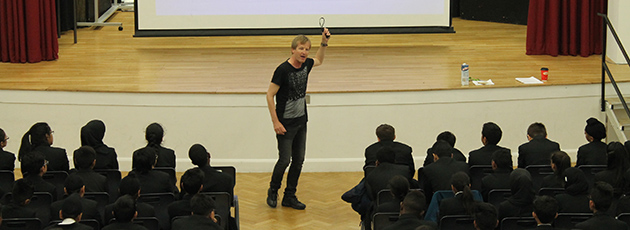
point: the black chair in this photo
(56, 178)
(368, 169)
(381, 220)
(625, 217)
(590, 171)
(477, 172)
(496, 196)
(160, 202)
(168, 170)
(222, 202)
(420, 175)
(216, 216)
(150, 223)
(113, 182)
(457, 222)
(569, 220)
(518, 223)
(550, 191)
(539, 172)
(101, 198)
(231, 170)
(6, 180)
(40, 204)
(383, 196)
(89, 222)
(21, 224)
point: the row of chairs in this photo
(150, 223)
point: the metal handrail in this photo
(606, 70)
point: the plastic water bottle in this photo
(465, 77)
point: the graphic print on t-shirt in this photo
(295, 106)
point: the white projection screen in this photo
(276, 17)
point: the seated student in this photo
(538, 150)
(593, 153)
(411, 211)
(523, 194)
(40, 138)
(74, 185)
(384, 171)
(490, 136)
(70, 214)
(17, 208)
(545, 211)
(202, 215)
(485, 216)
(560, 161)
(386, 134)
(463, 203)
(155, 135)
(437, 176)
(84, 162)
(500, 177)
(575, 198)
(450, 139)
(600, 200)
(399, 187)
(7, 159)
(618, 164)
(191, 183)
(151, 181)
(92, 135)
(130, 186)
(33, 166)
(124, 212)
(214, 180)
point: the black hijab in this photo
(522, 188)
(92, 134)
(575, 182)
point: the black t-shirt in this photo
(290, 99)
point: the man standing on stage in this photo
(289, 116)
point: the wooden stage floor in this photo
(108, 60)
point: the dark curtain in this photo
(28, 31)
(565, 27)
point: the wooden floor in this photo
(108, 60)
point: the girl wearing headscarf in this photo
(593, 153)
(92, 135)
(618, 164)
(154, 135)
(575, 200)
(560, 161)
(523, 194)
(40, 138)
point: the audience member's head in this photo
(522, 188)
(399, 187)
(39, 134)
(130, 185)
(199, 155)
(144, 159)
(575, 182)
(71, 208)
(92, 134)
(485, 216)
(74, 184)
(192, 181)
(448, 137)
(560, 161)
(125, 209)
(84, 157)
(442, 149)
(33, 163)
(536, 130)
(385, 155)
(617, 163)
(202, 205)
(3, 138)
(545, 209)
(601, 197)
(414, 203)
(502, 159)
(154, 135)
(491, 133)
(594, 130)
(460, 182)
(22, 192)
(385, 132)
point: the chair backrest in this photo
(230, 170)
(383, 196)
(625, 217)
(518, 223)
(101, 198)
(539, 172)
(160, 202)
(368, 169)
(496, 196)
(569, 220)
(420, 175)
(477, 172)
(168, 170)
(6, 180)
(457, 222)
(222, 201)
(40, 204)
(550, 191)
(151, 223)
(216, 216)
(590, 171)
(21, 224)
(56, 178)
(381, 220)
(113, 182)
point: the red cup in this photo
(544, 73)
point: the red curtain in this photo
(565, 27)
(28, 31)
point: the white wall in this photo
(619, 17)
(237, 129)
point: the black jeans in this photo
(291, 150)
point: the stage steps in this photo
(617, 121)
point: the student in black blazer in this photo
(618, 164)
(71, 213)
(191, 183)
(523, 194)
(151, 181)
(74, 186)
(485, 216)
(214, 180)
(437, 176)
(538, 150)
(545, 211)
(399, 187)
(450, 139)
(34, 166)
(124, 211)
(154, 135)
(500, 176)
(463, 203)
(84, 162)
(575, 198)
(411, 212)
(385, 170)
(92, 135)
(490, 136)
(18, 205)
(130, 186)
(202, 215)
(386, 134)
(7, 159)
(601, 199)
(40, 138)
(560, 161)
(593, 153)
